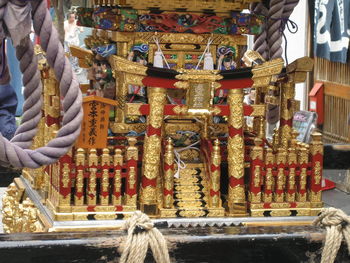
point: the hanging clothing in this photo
(332, 29)
(16, 75)
(8, 105)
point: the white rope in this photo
(337, 225)
(210, 40)
(156, 40)
(141, 235)
(180, 163)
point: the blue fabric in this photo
(16, 75)
(332, 29)
(8, 105)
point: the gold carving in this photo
(192, 213)
(291, 179)
(285, 135)
(10, 210)
(80, 157)
(316, 196)
(236, 156)
(133, 109)
(79, 184)
(148, 195)
(257, 151)
(132, 150)
(65, 175)
(255, 197)
(92, 187)
(156, 99)
(235, 101)
(152, 146)
(182, 84)
(93, 158)
(280, 212)
(123, 65)
(258, 111)
(257, 176)
(189, 155)
(318, 176)
(169, 154)
(117, 188)
(180, 109)
(132, 178)
(236, 194)
(118, 157)
(19, 217)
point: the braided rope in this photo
(337, 225)
(274, 33)
(141, 234)
(260, 40)
(289, 6)
(32, 94)
(16, 152)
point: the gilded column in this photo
(281, 161)
(303, 160)
(256, 167)
(286, 121)
(65, 185)
(169, 170)
(104, 189)
(215, 167)
(316, 158)
(79, 179)
(117, 195)
(131, 163)
(237, 204)
(93, 162)
(269, 182)
(292, 165)
(152, 150)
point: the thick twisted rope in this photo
(260, 40)
(141, 235)
(274, 32)
(32, 94)
(289, 6)
(268, 42)
(337, 225)
(16, 152)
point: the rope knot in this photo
(332, 217)
(337, 227)
(143, 235)
(138, 223)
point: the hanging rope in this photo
(337, 225)
(141, 235)
(260, 40)
(15, 17)
(268, 42)
(274, 34)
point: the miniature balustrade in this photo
(284, 183)
(96, 178)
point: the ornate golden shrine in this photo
(177, 152)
